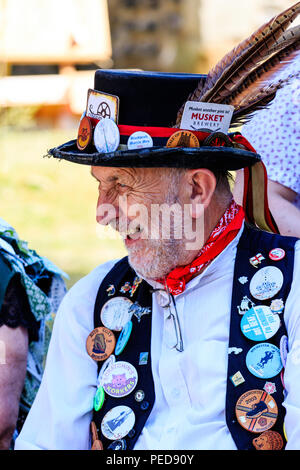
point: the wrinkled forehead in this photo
(111, 174)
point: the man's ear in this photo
(203, 184)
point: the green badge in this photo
(99, 398)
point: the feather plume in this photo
(231, 71)
(260, 88)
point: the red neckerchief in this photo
(226, 230)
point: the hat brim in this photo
(221, 158)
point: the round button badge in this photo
(183, 139)
(260, 323)
(266, 283)
(263, 360)
(139, 140)
(100, 343)
(119, 379)
(115, 313)
(117, 422)
(277, 254)
(256, 411)
(85, 133)
(106, 136)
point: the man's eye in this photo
(121, 185)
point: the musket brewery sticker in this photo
(206, 117)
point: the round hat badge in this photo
(85, 133)
(106, 136)
(139, 140)
(183, 139)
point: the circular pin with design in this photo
(260, 323)
(183, 139)
(120, 379)
(100, 343)
(115, 313)
(263, 360)
(139, 140)
(266, 283)
(106, 136)
(117, 422)
(85, 133)
(256, 411)
(277, 254)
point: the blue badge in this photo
(260, 323)
(264, 361)
(123, 338)
(143, 359)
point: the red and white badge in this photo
(276, 254)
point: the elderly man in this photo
(157, 339)
(192, 341)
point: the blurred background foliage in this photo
(52, 203)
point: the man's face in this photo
(136, 202)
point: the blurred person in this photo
(274, 132)
(191, 341)
(31, 288)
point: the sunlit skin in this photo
(124, 187)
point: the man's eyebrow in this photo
(109, 180)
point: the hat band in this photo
(160, 135)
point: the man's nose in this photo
(106, 211)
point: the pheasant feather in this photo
(231, 71)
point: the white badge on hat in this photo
(106, 136)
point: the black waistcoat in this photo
(252, 242)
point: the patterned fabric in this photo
(274, 132)
(227, 228)
(44, 288)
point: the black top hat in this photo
(150, 101)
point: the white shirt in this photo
(190, 386)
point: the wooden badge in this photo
(183, 139)
(100, 343)
(85, 133)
